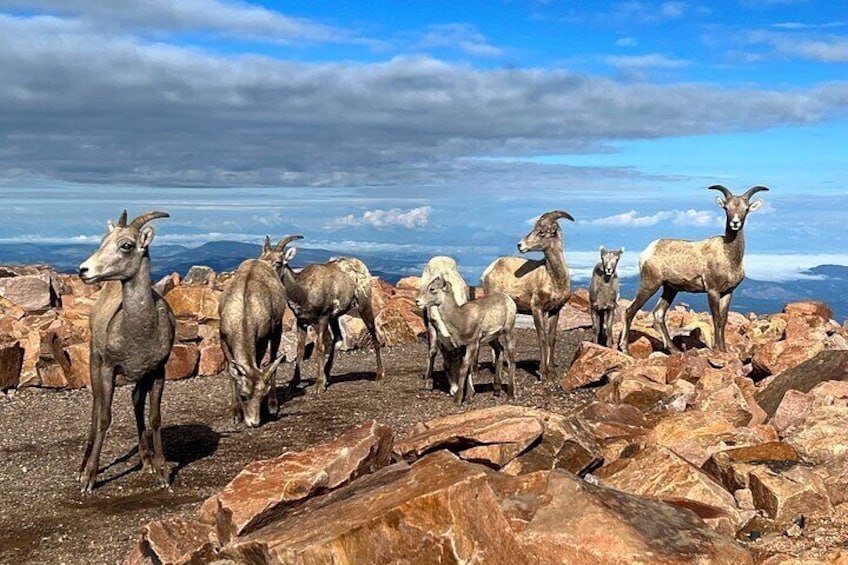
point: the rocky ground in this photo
(44, 519)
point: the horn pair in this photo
(747, 196)
(141, 220)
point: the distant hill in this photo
(825, 282)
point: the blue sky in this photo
(428, 127)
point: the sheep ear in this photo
(290, 253)
(267, 247)
(146, 237)
(237, 370)
(756, 204)
(110, 226)
(720, 201)
(603, 250)
(621, 251)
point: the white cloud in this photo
(409, 219)
(821, 48)
(633, 219)
(641, 62)
(464, 37)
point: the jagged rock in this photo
(199, 274)
(200, 302)
(355, 334)
(641, 348)
(658, 472)
(696, 435)
(167, 283)
(579, 299)
(634, 389)
(174, 541)
(826, 366)
(11, 361)
(787, 493)
(492, 435)
(819, 438)
(264, 489)
(212, 361)
(183, 361)
(566, 444)
(34, 292)
(412, 283)
(728, 402)
(572, 521)
(186, 330)
(571, 318)
(731, 466)
(80, 364)
(774, 358)
(439, 510)
(393, 327)
(592, 362)
(809, 308)
(793, 409)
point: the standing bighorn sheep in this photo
(251, 311)
(318, 296)
(490, 319)
(438, 337)
(712, 266)
(540, 288)
(132, 331)
(603, 296)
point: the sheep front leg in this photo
(103, 387)
(155, 421)
(301, 349)
(541, 337)
(235, 405)
(718, 328)
(497, 360)
(321, 377)
(596, 325)
(509, 353)
(609, 322)
(140, 393)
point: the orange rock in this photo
(809, 308)
(11, 361)
(773, 358)
(592, 363)
(199, 302)
(183, 361)
(409, 283)
(784, 494)
(393, 328)
(212, 361)
(175, 541)
(730, 467)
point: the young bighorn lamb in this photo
(438, 338)
(251, 311)
(713, 266)
(319, 295)
(490, 319)
(132, 331)
(540, 288)
(603, 296)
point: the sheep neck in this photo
(555, 263)
(452, 317)
(137, 299)
(295, 291)
(734, 243)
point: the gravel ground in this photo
(44, 519)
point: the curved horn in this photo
(144, 218)
(724, 190)
(122, 221)
(753, 190)
(557, 215)
(285, 241)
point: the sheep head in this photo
(253, 386)
(121, 251)
(433, 293)
(609, 260)
(276, 255)
(737, 207)
(545, 232)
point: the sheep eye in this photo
(127, 246)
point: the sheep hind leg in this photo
(497, 360)
(140, 392)
(644, 294)
(155, 421)
(659, 314)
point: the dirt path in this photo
(44, 519)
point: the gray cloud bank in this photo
(82, 101)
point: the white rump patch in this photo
(646, 255)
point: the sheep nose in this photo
(83, 270)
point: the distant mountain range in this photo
(825, 282)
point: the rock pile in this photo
(44, 335)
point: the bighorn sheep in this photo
(603, 296)
(319, 295)
(490, 319)
(251, 311)
(132, 331)
(540, 288)
(712, 266)
(438, 338)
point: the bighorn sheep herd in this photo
(133, 328)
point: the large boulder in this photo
(786, 493)
(592, 362)
(200, 302)
(35, 291)
(265, 489)
(11, 361)
(183, 361)
(809, 308)
(826, 366)
(492, 435)
(174, 541)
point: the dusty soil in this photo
(44, 518)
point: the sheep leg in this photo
(609, 321)
(140, 393)
(103, 386)
(452, 363)
(718, 329)
(596, 326)
(366, 312)
(553, 320)
(235, 404)
(715, 301)
(497, 350)
(644, 294)
(155, 421)
(301, 348)
(95, 370)
(321, 376)
(541, 338)
(432, 348)
(474, 356)
(336, 330)
(509, 355)
(274, 344)
(659, 313)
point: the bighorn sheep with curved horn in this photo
(318, 296)
(251, 311)
(712, 266)
(132, 331)
(540, 288)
